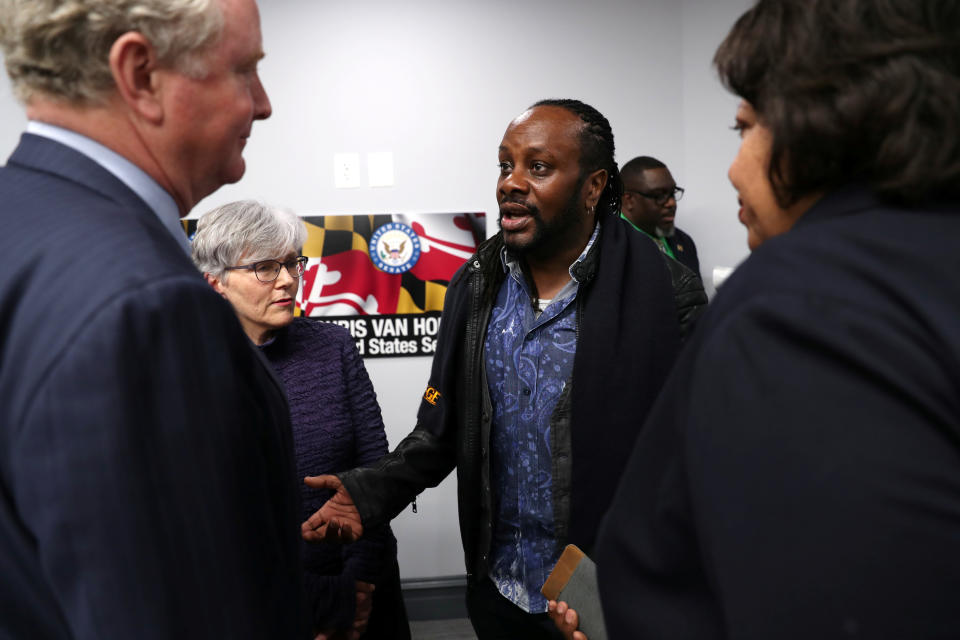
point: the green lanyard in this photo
(661, 242)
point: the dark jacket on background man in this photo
(628, 336)
(684, 250)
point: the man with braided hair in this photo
(556, 336)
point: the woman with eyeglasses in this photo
(249, 253)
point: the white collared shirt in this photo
(156, 197)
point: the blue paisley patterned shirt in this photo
(529, 361)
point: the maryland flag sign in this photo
(384, 277)
(384, 264)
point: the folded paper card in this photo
(574, 581)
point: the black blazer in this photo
(145, 453)
(799, 476)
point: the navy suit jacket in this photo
(146, 474)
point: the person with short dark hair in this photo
(799, 477)
(650, 196)
(556, 337)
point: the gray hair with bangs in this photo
(246, 230)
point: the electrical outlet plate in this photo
(346, 170)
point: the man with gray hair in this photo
(146, 477)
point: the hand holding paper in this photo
(572, 586)
(566, 620)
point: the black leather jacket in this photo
(454, 420)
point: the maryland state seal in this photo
(394, 248)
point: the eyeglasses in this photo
(268, 270)
(660, 197)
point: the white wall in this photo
(708, 211)
(12, 119)
(436, 82)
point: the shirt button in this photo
(526, 391)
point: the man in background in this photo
(145, 457)
(650, 197)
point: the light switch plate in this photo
(380, 168)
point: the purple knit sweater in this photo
(336, 426)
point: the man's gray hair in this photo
(245, 230)
(61, 48)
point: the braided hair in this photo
(596, 149)
(596, 152)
